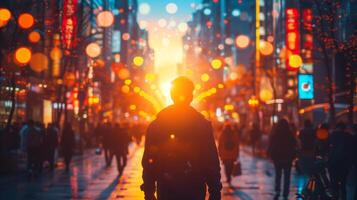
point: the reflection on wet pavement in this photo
(90, 179)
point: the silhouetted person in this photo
(180, 157)
(119, 147)
(354, 150)
(322, 136)
(107, 133)
(34, 141)
(255, 136)
(67, 144)
(307, 137)
(50, 144)
(282, 150)
(228, 150)
(340, 159)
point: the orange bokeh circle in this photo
(26, 21)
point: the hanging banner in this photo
(292, 35)
(69, 24)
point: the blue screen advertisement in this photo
(306, 86)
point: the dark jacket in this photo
(307, 138)
(68, 141)
(181, 157)
(341, 153)
(282, 146)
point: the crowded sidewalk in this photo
(89, 178)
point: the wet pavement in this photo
(90, 179)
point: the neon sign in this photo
(292, 35)
(69, 24)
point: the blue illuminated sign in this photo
(116, 41)
(306, 86)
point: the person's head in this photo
(282, 126)
(307, 123)
(182, 91)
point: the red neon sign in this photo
(292, 34)
(307, 35)
(69, 23)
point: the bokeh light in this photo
(235, 13)
(182, 27)
(295, 61)
(5, 14)
(265, 95)
(26, 21)
(162, 22)
(144, 8)
(105, 19)
(126, 36)
(205, 77)
(207, 11)
(93, 50)
(123, 73)
(39, 62)
(242, 41)
(56, 53)
(34, 37)
(171, 8)
(23, 55)
(266, 48)
(125, 89)
(216, 63)
(138, 61)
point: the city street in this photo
(90, 179)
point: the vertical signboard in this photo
(69, 23)
(116, 41)
(292, 35)
(306, 86)
(307, 41)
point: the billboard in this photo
(306, 86)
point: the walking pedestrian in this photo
(180, 156)
(228, 150)
(34, 141)
(255, 136)
(67, 144)
(282, 149)
(340, 159)
(107, 136)
(120, 147)
(50, 144)
(307, 137)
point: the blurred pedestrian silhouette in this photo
(307, 137)
(119, 147)
(34, 141)
(107, 133)
(340, 159)
(282, 150)
(180, 157)
(228, 150)
(255, 136)
(67, 144)
(50, 144)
